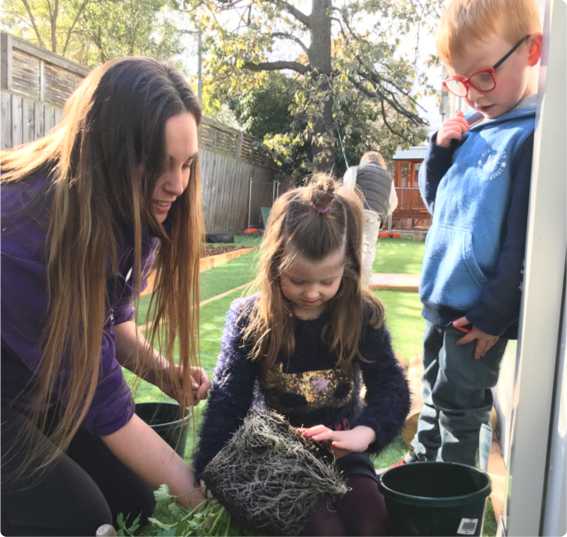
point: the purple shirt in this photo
(25, 207)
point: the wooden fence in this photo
(237, 172)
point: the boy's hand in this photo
(342, 442)
(453, 128)
(484, 341)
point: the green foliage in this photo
(129, 27)
(125, 528)
(266, 110)
(207, 519)
(93, 31)
(272, 61)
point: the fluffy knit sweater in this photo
(307, 387)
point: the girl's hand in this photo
(453, 128)
(341, 442)
(485, 341)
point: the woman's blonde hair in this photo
(467, 21)
(103, 160)
(314, 221)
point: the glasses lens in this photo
(456, 87)
(483, 81)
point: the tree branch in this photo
(53, 24)
(277, 66)
(285, 35)
(370, 74)
(353, 34)
(292, 10)
(341, 27)
(379, 94)
(72, 27)
(34, 25)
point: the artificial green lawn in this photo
(235, 273)
(399, 256)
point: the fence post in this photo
(250, 181)
(5, 61)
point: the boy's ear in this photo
(534, 53)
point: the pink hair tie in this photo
(322, 210)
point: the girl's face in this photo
(309, 285)
(181, 146)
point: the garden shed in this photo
(411, 213)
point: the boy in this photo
(475, 182)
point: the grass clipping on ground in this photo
(269, 477)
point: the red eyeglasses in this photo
(483, 80)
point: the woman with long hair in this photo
(87, 211)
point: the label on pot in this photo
(467, 526)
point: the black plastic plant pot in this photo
(435, 498)
(219, 237)
(165, 419)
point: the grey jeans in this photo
(457, 397)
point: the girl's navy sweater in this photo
(306, 387)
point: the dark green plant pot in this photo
(435, 498)
(165, 419)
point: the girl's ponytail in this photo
(322, 193)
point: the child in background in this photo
(311, 338)
(476, 181)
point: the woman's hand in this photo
(195, 496)
(169, 384)
(136, 354)
(341, 442)
(200, 384)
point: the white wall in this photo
(531, 392)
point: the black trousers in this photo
(87, 486)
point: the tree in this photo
(93, 31)
(48, 23)
(267, 109)
(337, 69)
(130, 27)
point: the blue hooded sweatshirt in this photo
(478, 193)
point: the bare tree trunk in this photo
(320, 61)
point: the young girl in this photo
(84, 210)
(312, 338)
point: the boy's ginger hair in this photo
(466, 21)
